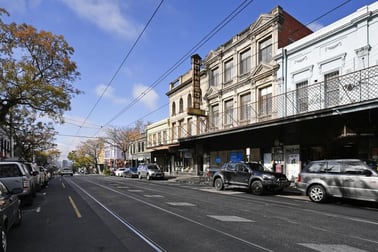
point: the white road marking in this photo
(230, 218)
(133, 190)
(221, 192)
(331, 247)
(180, 204)
(154, 196)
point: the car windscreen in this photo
(153, 167)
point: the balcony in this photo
(353, 89)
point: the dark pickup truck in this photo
(251, 175)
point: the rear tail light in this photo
(299, 178)
(25, 183)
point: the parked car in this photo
(119, 172)
(15, 175)
(251, 175)
(34, 171)
(10, 212)
(44, 178)
(150, 171)
(343, 178)
(131, 172)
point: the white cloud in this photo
(107, 15)
(109, 93)
(149, 99)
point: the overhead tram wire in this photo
(212, 33)
(121, 65)
(184, 57)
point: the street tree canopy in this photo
(36, 71)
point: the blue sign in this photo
(236, 156)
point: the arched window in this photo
(181, 109)
(173, 108)
(189, 101)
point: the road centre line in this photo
(78, 214)
(256, 246)
(123, 221)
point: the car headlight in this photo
(268, 177)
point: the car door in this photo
(333, 177)
(241, 176)
(229, 173)
(359, 182)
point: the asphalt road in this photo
(96, 213)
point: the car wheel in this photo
(4, 244)
(18, 218)
(257, 187)
(317, 193)
(218, 184)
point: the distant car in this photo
(131, 172)
(150, 171)
(119, 172)
(15, 175)
(10, 212)
(66, 172)
(343, 178)
(251, 175)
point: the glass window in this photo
(173, 108)
(228, 71)
(228, 111)
(214, 119)
(302, 96)
(189, 101)
(245, 62)
(333, 167)
(265, 101)
(316, 167)
(331, 85)
(265, 50)
(354, 167)
(214, 77)
(181, 109)
(245, 111)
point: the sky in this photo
(128, 51)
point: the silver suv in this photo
(343, 178)
(150, 171)
(15, 176)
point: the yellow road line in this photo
(74, 207)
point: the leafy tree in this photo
(122, 137)
(88, 154)
(36, 72)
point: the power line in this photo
(211, 34)
(121, 65)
